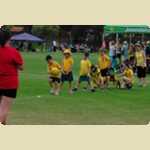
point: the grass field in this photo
(113, 106)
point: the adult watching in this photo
(10, 63)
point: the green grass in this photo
(107, 107)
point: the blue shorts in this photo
(67, 77)
(84, 78)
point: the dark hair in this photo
(93, 68)
(4, 37)
(49, 57)
(86, 54)
(127, 65)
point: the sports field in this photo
(35, 106)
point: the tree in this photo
(47, 32)
(89, 34)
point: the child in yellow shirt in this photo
(85, 66)
(54, 71)
(67, 65)
(127, 79)
(95, 76)
(104, 65)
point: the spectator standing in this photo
(118, 52)
(125, 50)
(54, 45)
(112, 54)
(147, 51)
(140, 64)
(10, 63)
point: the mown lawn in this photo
(109, 107)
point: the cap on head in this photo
(138, 45)
(67, 51)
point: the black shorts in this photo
(67, 77)
(84, 78)
(54, 79)
(141, 72)
(104, 72)
(12, 93)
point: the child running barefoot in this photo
(85, 66)
(54, 71)
(67, 65)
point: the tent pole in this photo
(117, 37)
(130, 35)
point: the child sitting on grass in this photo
(104, 64)
(95, 76)
(126, 81)
(85, 66)
(54, 71)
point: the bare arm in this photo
(20, 67)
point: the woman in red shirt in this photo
(10, 63)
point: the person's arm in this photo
(59, 66)
(90, 64)
(135, 60)
(71, 64)
(48, 69)
(21, 67)
(109, 62)
(144, 56)
(62, 66)
(18, 61)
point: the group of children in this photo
(96, 75)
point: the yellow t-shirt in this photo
(51, 67)
(140, 59)
(128, 73)
(95, 78)
(103, 62)
(67, 64)
(85, 66)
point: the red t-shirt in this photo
(10, 59)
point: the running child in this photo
(67, 64)
(54, 71)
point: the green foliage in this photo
(46, 32)
(7, 27)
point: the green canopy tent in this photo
(142, 31)
(124, 28)
(117, 29)
(114, 29)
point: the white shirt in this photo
(54, 43)
(112, 50)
